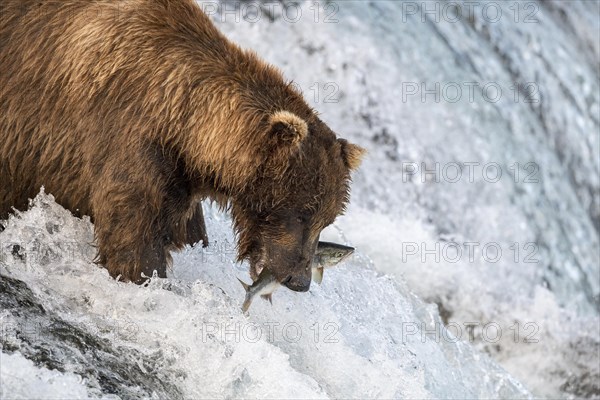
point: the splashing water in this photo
(359, 335)
(406, 317)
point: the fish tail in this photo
(244, 284)
(246, 305)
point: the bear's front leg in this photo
(130, 229)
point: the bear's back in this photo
(83, 80)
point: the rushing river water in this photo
(476, 219)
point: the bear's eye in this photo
(303, 217)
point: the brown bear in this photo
(132, 112)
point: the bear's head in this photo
(300, 188)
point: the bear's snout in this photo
(297, 283)
(291, 264)
(299, 280)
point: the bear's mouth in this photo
(298, 280)
(257, 267)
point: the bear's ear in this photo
(352, 154)
(288, 128)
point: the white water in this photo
(357, 336)
(370, 314)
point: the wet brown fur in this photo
(133, 111)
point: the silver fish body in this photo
(264, 287)
(327, 255)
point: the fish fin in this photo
(268, 297)
(317, 274)
(244, 284)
